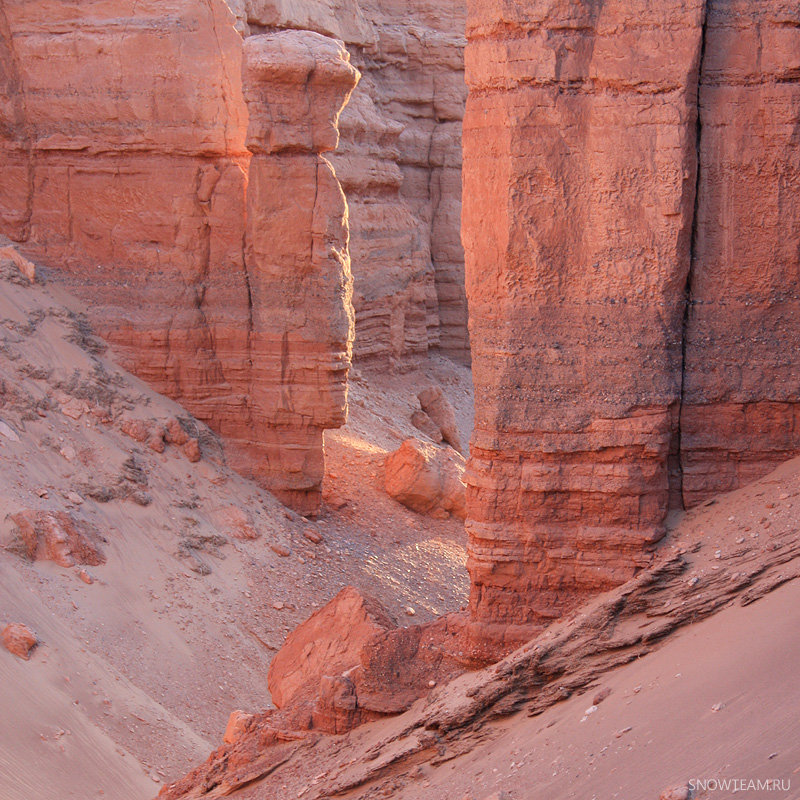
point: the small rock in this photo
(75, 498)
(717, 707)
(313, 535)
(619, 734)
(279, 606)
(192, 450)
(600, 696)
(676, 793)
(237, 725)
(19, 640)
(74, 408)
(86, 577)
(410, 611)
(156, 441)
(137, 429)
(175, 434)
(280, 548)
(41, 492)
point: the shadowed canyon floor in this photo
(204, 574)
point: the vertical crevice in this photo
(688, 294)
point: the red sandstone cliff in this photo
(742, 355)
(399, 162)
(127, 170)
(630, 335)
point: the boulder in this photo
(328, 644)
(54, 536)
(427, 478)
(422, 422)
(19, 640)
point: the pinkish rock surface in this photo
(740, 415)
(54, 536)
(19, 640)
(629, 355)
(140, 202)
(576, 293)
(399, 162)
(427, 478)
(296, 257)
(170, 282)
(328, 643)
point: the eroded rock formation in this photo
(400, 165)
(740, 408)
(131, 179)
(576, 292)
(298, 266)
(630, 335)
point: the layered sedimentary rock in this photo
(741, 415)
(296, 83)
(579, 195)
(631, 177)
(400, 165)
(126, 169)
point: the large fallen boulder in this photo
(427, 478)
(327, 644)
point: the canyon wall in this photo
(126, 170)
(122, 142)
(634, 341)
(399, 162)
(741, 415)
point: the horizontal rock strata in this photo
(580, 166)
(742, 384)
(127, 171)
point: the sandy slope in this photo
(138, 671)
(658, 727)
(699, 651)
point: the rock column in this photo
(579, 187)
(296, 254)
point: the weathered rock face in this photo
(296, 83)
(126, 168)
(399, 162)
(742, 381)
(596, 391)
(328, 643)
(576, 291)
